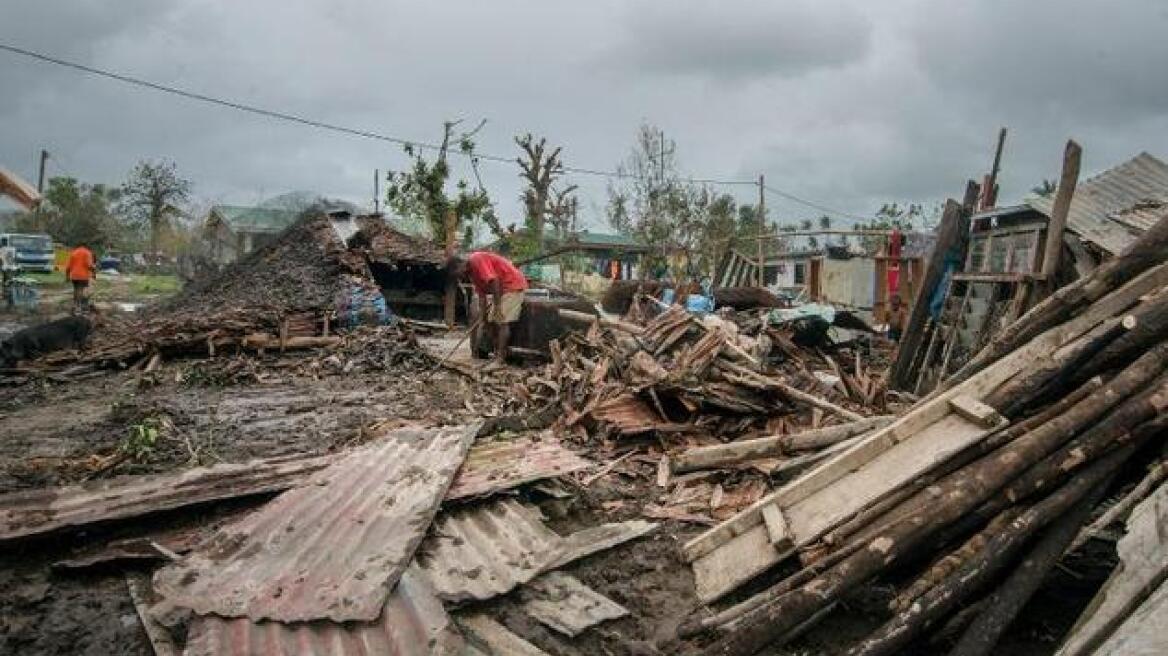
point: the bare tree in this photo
(153, 195)
(540, 168)
(562, 210)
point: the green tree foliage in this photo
(153, 197)
(73, 213)
(420, 195)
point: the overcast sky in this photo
(851, 104)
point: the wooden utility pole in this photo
(41, 176)
(1058, 213)
(990, 190)
(376, 191)
(761, 227)
(451, 284)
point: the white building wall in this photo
(850, 282)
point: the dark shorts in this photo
(79, 285)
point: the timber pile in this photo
(1073, 395)
(674, 373)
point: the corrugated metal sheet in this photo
(37, 512)
(413, 623)
(332, 548)
(504, 463)
(1099, 202)
(565, 604)
(485, 550)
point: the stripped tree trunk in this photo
(998, 553)
(1000, 609)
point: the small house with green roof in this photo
(232, 231)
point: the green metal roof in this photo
(254, 219)
(605, 239)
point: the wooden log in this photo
(1034, 382)
(615, 324)
(1144, 256)
(1120, 511)
(947, 501)
(950, 234)
(1059, 210)
(952, 561)
(1146, 325)
(1133, 422)
(1004, 604)
(1077, 496)
(722, 455)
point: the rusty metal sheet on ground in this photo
(413, 623)
(500, 464)
(565, 604)
(37, 512)
(332, 548)
(485, 550)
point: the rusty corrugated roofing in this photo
(484, 550)
(1105, 209)
(413, 623)
(500, 464)
(332, 548)
(565, 604)
(37, 512)
(488, 549)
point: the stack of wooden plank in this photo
(988, 481)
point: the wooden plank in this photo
(1061, 207)
(976, 411)
(776, 526)
(140, 590)
(1143, 568)
(725, 569)
(483, 632)
(1141, 634)
(949, 234)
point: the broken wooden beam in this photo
(607, 322)
(722, 455)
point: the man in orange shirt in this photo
(495, 275)
(79, 270)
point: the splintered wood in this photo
(674, 374)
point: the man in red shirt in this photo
(80, 269)
(500, 288)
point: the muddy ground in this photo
(58, 432)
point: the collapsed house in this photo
(995, 261)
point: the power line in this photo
(367, 134)
(814, 205)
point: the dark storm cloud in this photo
(745, 39)
(850, 103)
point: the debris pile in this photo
(981, 488)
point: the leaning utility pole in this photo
(41, 176)
(761, 227)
